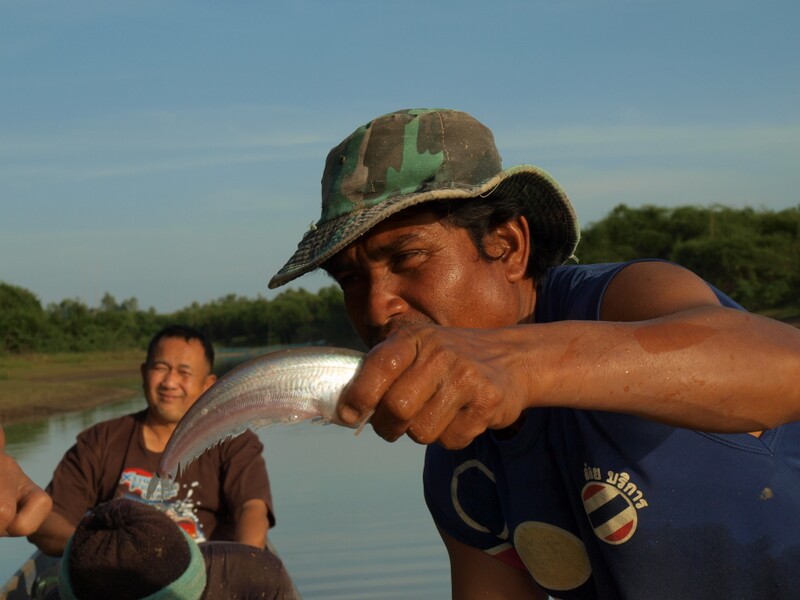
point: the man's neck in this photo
(156, 435)
(527, 302)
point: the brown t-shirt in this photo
(109, 460)
(243, 572)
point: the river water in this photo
(351, 520)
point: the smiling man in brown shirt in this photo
(223, 495)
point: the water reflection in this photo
(25, 433)
(351, 518)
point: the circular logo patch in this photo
(610, 511)
(556, 558)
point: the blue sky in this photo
(172, 151)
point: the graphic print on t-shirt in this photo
(612, 505)
(556, 558)
(133, 484)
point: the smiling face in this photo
(173, 379)
(415, 268)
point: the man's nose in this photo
(170, 378)
(384, 301)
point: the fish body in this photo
(286, 386)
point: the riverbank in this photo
(36, 386)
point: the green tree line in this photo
(292, 317)
(753, 256)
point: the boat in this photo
(33, 579)
(39, 574)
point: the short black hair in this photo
(479, 216)
(188, 334)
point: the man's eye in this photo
(407, 259)
(348, 279)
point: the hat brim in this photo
(553, 222)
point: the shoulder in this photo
(626, 291)
(574, 291)
(111, 428)
(649, 289)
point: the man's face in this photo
(175, 377)
(414, 269)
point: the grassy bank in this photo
(35, 386)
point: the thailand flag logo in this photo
(610, 511)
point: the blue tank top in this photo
(604, 505)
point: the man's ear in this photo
(210, 380)
(511, 244)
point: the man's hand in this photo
(440, 384)
(23, 504)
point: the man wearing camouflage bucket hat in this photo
(594, 431)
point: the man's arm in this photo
(245, 486)
(475, 575)
(74, 489)
(666, 351)
(51, 537)
(674, 355)
(252, 524)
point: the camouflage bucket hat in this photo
(413, 156)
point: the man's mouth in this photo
(379, 334)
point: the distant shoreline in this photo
(40, 412)
(35, 387)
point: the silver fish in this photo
(286, 386)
